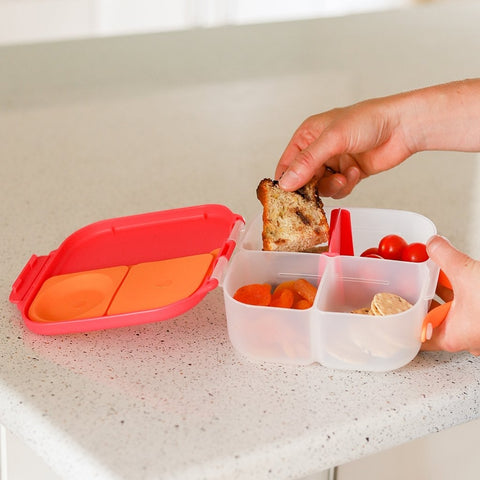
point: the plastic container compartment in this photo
(328, 333)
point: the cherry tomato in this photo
(391, 247)
(415, 252)
(370, 251)
(373, 255)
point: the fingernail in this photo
(289, 180)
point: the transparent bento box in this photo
(328, 333)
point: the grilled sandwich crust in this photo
(292, 221)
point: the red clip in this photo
(340, 241)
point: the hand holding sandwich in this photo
(345, 145)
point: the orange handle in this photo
(438, 314)
(433, 319)
(443, 280)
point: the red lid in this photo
(128, 270)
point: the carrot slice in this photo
(254, 294)
(283, 298)
(302, 304)
(305, 289)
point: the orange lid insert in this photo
(157, 284)
(74, 296)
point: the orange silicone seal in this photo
(118, 290)
(73, 296)
(157, 284)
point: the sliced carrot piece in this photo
(302, 304)
(283, 298)
(254, 294)
(305, 289)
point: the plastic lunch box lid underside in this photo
(125, 241)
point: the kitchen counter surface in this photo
(94, 129)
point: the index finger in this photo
(311, 160)
(286, 159)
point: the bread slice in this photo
(292, 221)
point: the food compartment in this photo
(264, 332)
(369, 225)
(348, 340)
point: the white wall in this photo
(24, 21)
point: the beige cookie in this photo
(374, 310)
(362, 311)
(388, 304)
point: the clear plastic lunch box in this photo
(146, 268)
(328, 333)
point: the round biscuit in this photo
(389, 304)
(362, 311)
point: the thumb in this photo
(460, 329)
(446, 256)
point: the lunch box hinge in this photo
(26, 278)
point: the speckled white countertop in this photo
(104, 128)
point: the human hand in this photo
(344, 145)
(461, 328)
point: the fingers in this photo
(287, 157)
(297, 152)
(445, 255)
(293, 174)
(449, 259)
(437, 342)
(353, 176)
(297, 166)
(460, 329)
(454, 335)
(335, 185)
(301, 170)
(339, 185)
(440, 342)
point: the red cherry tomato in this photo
(415, 252)
(370, 251)
(373, 255)
(391, 247)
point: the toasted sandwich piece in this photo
(292, 221)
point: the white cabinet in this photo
(19, 462)
(442, 456)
